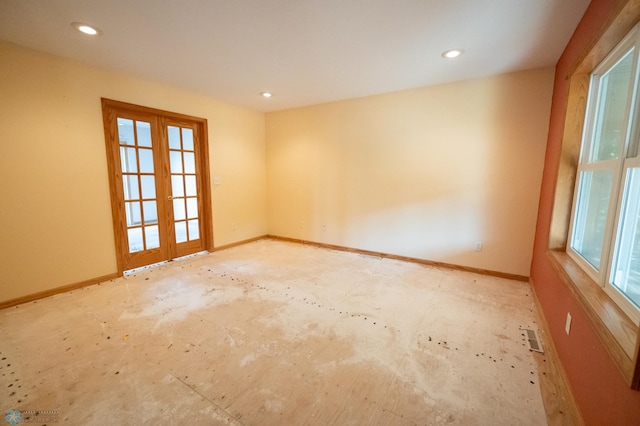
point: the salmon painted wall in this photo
(602, 395)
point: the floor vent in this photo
(535, 344)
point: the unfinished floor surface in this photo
(277, 333)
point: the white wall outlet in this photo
(567, 325)
(217, 180)
(478, 246)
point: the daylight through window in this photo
(605, 225)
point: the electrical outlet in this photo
(478, 246)
(567, 325)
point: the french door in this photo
(159, 180)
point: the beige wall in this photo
(424, 173)
(55, 217)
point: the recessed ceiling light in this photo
(266, 94)
(453, 53)
(86, 29)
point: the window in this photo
(605, 222)
(590, 287)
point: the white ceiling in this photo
(304, 51)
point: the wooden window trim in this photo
(618, 333)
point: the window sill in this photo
(615, 329)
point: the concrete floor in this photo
(272, 333)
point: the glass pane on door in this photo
(138, 181)
(182, 164)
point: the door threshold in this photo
(153, 265)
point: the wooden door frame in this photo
(110, 108)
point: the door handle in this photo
(169, 197)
